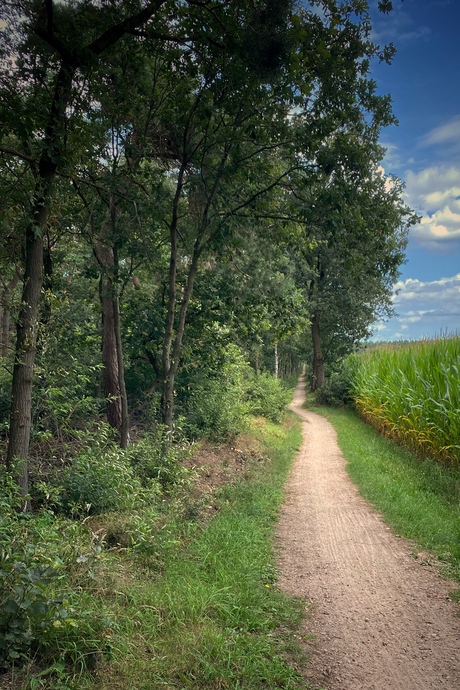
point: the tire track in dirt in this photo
(380, 619)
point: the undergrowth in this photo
(152, 593)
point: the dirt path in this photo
(381, 620)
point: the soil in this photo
(379, 618)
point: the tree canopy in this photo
(179, 177)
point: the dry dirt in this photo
(380, 620)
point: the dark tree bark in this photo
(124, 426)
(318, 377)
(109, 353)
(112, 352)
(5, 310)
(26, 338)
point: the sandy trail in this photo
(380, 619)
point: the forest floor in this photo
(380, 617)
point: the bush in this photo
(156, 457)
(40, 613)
(336, 391)
(267, 397)
(93, 484)
(217, 404)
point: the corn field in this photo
(411, 393)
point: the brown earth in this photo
(380, 619)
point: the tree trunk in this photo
(110, 372)
(318, 377)
(112, 353)
(26, 338)
(167, 398)
(5, 304)
(277, 362)
(4, 326)
(124, 426)
(256, 361)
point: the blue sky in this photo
(424, 151)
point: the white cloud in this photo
(437, 295)
(447, 133)
(435, 194)
(424, 309)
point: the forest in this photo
(184, 184)
(192, 209)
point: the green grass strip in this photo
(419, 498)
(214, 618)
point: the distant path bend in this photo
(381, 620)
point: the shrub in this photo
(336, 391)
(217, 404)
(267, 396)
(157, 457)
(93, 484)
(40, 613)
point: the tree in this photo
(360, 225)
(39, 131)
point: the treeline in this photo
(185, 187)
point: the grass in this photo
(419, 498)
(200, 608)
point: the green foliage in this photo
(267, 396)
(155, 456)
(216, 404)
(5, 398)
(336, 390)
(96, 483)
(40, 612)
(212, 616)
(411, 393)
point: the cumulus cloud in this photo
(435, 194)
(424, 309)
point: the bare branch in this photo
(18, 154)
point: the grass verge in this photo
(199, 608)
(419, 498)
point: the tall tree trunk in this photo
(167, 397)
(277, 362)
(172, 356)
(110, 373)
(124, 426)
(21, 394)
(318, 377)
(112, 353)
(26, 338)
(5, 306)
(256, 360)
